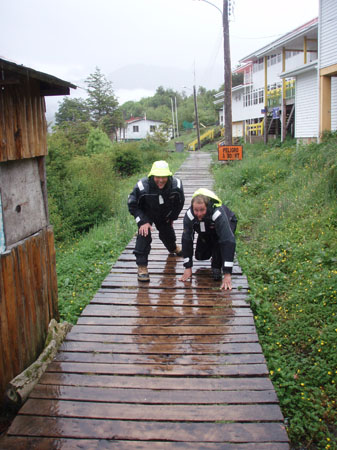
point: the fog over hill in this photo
(135, 76)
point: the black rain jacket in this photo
(220, 222)
(148, 204)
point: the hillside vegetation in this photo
(285, 199)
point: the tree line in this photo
(101, 108)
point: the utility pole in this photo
(227, 70)
(196, 115)
(175, 103)
(227, 77)
(173, 124)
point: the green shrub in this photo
(90, 188)
(98, 142)
(152, 151)
(62, 229)
(127, 159)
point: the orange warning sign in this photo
(229, 152)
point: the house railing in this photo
(255, 129)
(208, 135)
(290, 89)
(274, 96)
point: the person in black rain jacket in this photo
(215, 225)
(157, 199)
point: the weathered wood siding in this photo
(23, 127)
(24, 208)
(2, 232)
(28, 301)
(28, 285)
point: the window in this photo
(258, 65)
(273, 59)
(135, 129)
(261, 95)
(247, 78)
(255, 97)
(152, 128)
(291, 53)
(247, 100)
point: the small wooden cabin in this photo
(28, 285)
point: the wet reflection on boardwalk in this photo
(158, 365)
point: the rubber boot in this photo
(143, 274)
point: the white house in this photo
(327, 65)
(290, 85)
(137, 128)
(265, 102)
(316, 83)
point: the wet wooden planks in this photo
(159, 365)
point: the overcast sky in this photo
(141, 44)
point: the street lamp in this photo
(206, 1)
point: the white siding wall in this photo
(306, 113)
(328, 33)
(333, 103)
(258, 79)
(298, 60)
(237, 129)
(237, 105)
(252, 112)
(273, 75)
(143, 129)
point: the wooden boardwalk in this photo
(161, 365)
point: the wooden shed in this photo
(28, 285)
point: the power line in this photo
(260, 37)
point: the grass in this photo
(285, 199)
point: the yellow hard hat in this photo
(160, 169)
(208, 193)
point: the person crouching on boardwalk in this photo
(215, 225)
(157, 198)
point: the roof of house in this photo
(134, 119)
(49, 85)
(308, 29)
(243, 67)
(138, 119)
